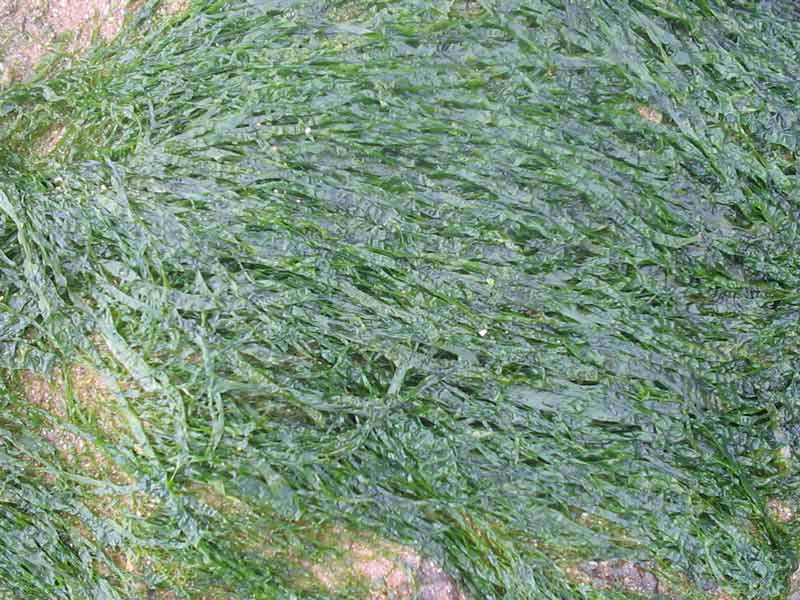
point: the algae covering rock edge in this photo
(29, 29)
(504, 290)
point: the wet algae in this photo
(513, 283)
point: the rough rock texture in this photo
(29, 29)
(794, 585)
(387, 571)
(780, 511)
(650, 114)
(620, 574)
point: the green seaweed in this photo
(419, 268)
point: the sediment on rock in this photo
(31, 29)
(383, 570)
(616, 574)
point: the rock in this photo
(780, 510)
(388, 570)
(621, 574)
(650, 114)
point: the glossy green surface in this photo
(420, 268)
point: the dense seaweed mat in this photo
(417, 268)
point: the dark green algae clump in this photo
(512, 283)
